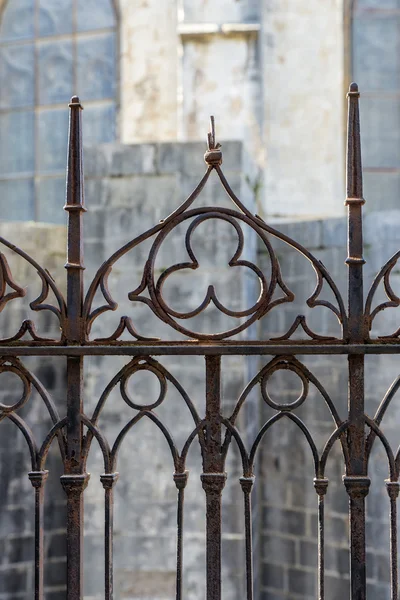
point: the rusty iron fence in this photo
(214, 432)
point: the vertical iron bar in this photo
(393, 488)
(354, 202)
(75, 207)
(213, 477)
(321, 487)
(75, 479)
(38, 479)
(108, 480)
(180, 482)
(247, 486)
(356, 479)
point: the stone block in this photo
(378, 592)
(13, 579)
(133, 160)
(196, 12)
(55, 515)
(154, 583)
(338, 586)
(193, 159)
(273, 576)
(17, 200)
(381, 138)
(284, 521)
(382, 225)
(20, 549)
(57, 545)
(97, 193)
(337, 559)
(232, 156)
(336, 529)
(334, 233)
(169, 157)
(305, 232)
(278, 549)
(94, 225)
(302, 582)
(377, 4)
(382, 566)
(94, 255)
(55, 573)
(381, 191)
(59, 595)
(308, 553)
(98, 159)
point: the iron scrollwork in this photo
(39, 304)
(236, 217)
(356, 433)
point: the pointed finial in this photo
(75, 195)
(354, 184)
(75, 102)
(353, 90)
(213, 156)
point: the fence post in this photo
(74, 479)
(356, 479)
(213, 477)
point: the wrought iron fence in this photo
(214, 432)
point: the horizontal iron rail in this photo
(196, 348)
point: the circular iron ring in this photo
(288, 366)
(127, 376)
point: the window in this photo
(376, 68)
(49, 51)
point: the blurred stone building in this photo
(149, 73)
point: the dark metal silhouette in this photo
(214, 432)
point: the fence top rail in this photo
(199, 349)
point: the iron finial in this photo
(213, 156)
(353, 90)
(75, 194)
(75, 102)
(354, 171)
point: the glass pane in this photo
(17, 200)
(99, 124)
(50, 199)
(96, 67)
(55, 17)
(17, 21)
(380, 126)
(376, 51)
(52, 140)
(95, 14)
(16, 142)
(382, 190)
(378, 4)
(17, 84)
(55, 72)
